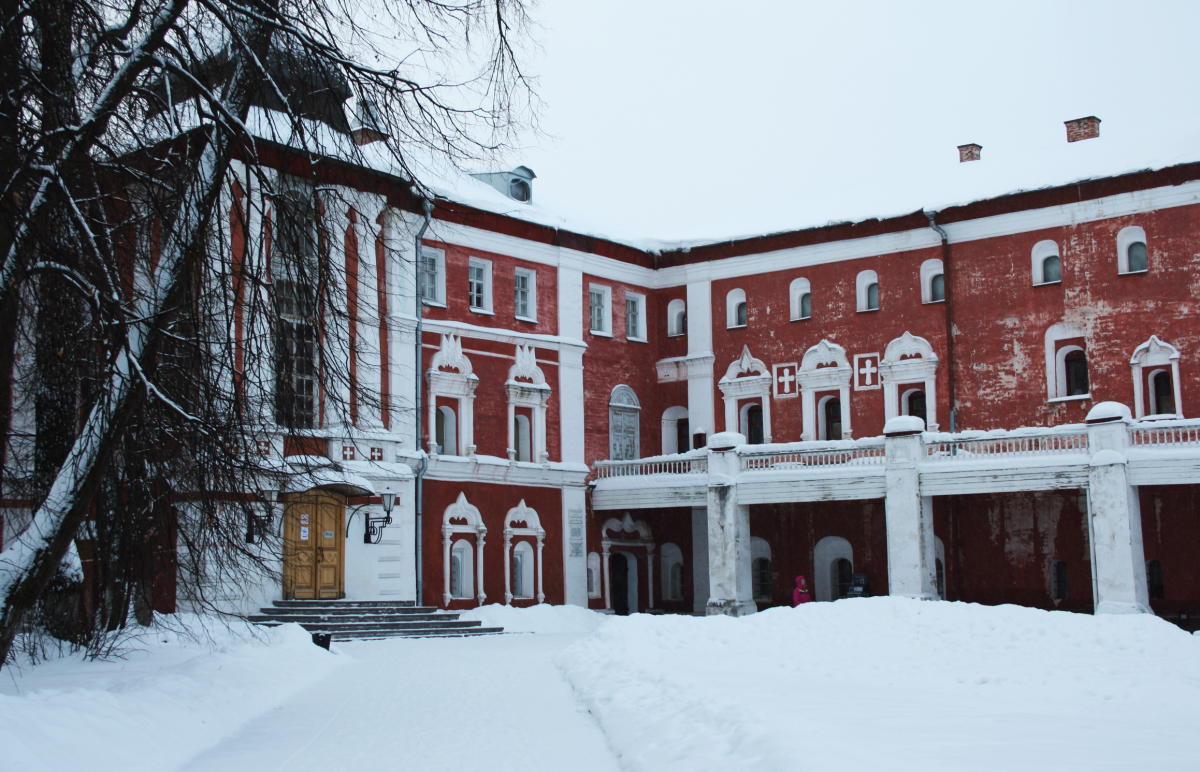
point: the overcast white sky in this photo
(698, 118)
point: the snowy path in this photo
(490, 703)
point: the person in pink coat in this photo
(800, 594)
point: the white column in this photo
(479, 593)
(570, 404)
(1116, 518)
(766, 406)
(541, 590)
(729, 591)
(507, 568)
(431, 399)
(539, 431)
(808, 402)
(731, 415)
(1138, 403)
(931, 422)
(512, 430)
(1177, 387)
(446, 534)
(911, 547)
(467, 425)
(604, 571)
(844, 400)
(891, 399)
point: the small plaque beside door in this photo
(329, 534)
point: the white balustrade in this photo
(660, 465)
(803, 459)
(1165, 436)
(989, 448)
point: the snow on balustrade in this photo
(678, 463)
(802, 455)
(1165, 434)
(1000, 444)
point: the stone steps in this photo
(344, 620)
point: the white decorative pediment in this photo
(908, 346)
(522, 519)
(468, 516)
(747, 364)
(824, 354)
(1154, 352)
(451, 356)
(626, 527)
(526, 367)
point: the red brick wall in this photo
(493, 503)
(1170, 535)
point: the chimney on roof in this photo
(968, 152)
(1083, 128)
(366, 126)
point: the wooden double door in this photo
(314, 546)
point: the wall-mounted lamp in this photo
(375, 525)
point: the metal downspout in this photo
(948, 285)
(427, 205)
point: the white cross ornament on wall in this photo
(784, 380)
(866, 372)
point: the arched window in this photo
(593, 574)
(462, 562)
(624, 412)
(672, 572)
(1075, 369)
(841, 577)
(933, 283)
(1132, 256)
(521, 437)
(676, 317)
(760, 569)
(1162, 393)
(752, 424)
(828, 554)
(1060, 587)
(1046, 266)
(447, 431)
(801, 299)
(1154, 580)
(914, 404)
(522, 570)
(676, 437)
(735, 308)
(867, 291)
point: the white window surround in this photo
(606, 313)
(733, 299)
(640, 300)
(531, 275)
(822, 427)
(1126, 237)
(1055, 333)
(1038, 255)
(670, 435)
(676, 314)
(755, 384)
(458, 385)
(522, 521)
(671, 556)
(798, 289)
(462, 517)
(861, 284)
(486, 265)
(1154, 353)
(526, 387)
(593, 566)
(825, 553)
(929, 269)
(463, 550)
(824, 368)
(626, 532)
(1060, 374)
(440, 281)
(909, 359)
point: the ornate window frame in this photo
(640, 536)
(458, 385)
(824, 368)
(894, 370)
(1154, 354)
(756, 385)
(526, 387)
(533, 527)
(462, 509)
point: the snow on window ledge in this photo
(1076, 398)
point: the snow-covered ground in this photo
(877, 683)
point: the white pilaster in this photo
(701, 390)
(730, 590)
(911, 547)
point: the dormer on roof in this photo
(517, 184)
(366, 127)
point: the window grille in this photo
(762, 579)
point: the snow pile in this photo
(542, 618)
(888, 683)
(165, 702)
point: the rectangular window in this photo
(433, 276)
(635, 316)
(596, 298)
(479, 285)
(525, 294)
